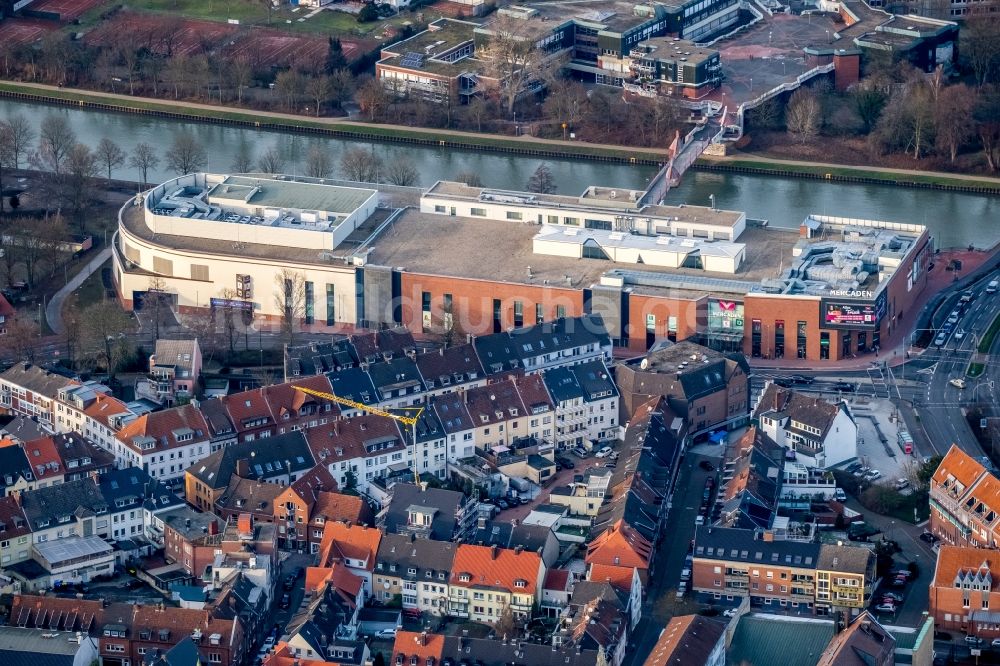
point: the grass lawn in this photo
(91, 291)
(851, 172)
(327, 22)
(975, 369)
(991, 333)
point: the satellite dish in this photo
(386, 585)
(644, 364)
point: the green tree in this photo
(368, 13)
(335, 58)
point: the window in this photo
(330, 310)
(310, 303)
(439, 209)
(163, 266)
(514, 215)
(560, 312)
(779, 339)
(801, 339)
(475, 212)
(518, 314)
(199, 272)
(756, 331)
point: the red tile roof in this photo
(312, 483)
(421, 645)
(619, 577)
(620, 545)
(953, 559)
(247, 407)
(496, 567)
(12, 518)
(162, 426)
(341, 541)
(104, 407)
(958, 465)
(44, 458)
(6, 309)
(284, 399)
(556, 580)
(342, 508)
(345, 439)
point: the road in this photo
(660, 601)
(53, 310)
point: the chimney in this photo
(517, 549)
(768, 535)
(213, 527)
(423, 486)
(242, 467)
(423, 638)
(441, 351)
(494, 551)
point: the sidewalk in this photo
(53, 311)
(896, 347)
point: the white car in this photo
(959, 334)
(685, 574)
(840, 495)
(604, 452)
(385, 633)
(995, 643)
(886, 608)
(957, 383)
(873, 475)
(731, 612)
(953, 319)
(268, 644)
(699, 520)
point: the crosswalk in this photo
(878, 380)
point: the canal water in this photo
(955, 219)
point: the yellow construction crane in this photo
(406, 420)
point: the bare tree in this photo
(319, 89)
(105, 328)
(512, 62)
(290, 85)
(360, 165)
(479, 110)
(240, 76)
(804, 114)
(869, 100)
(144, 158)
(980, 42)
(318, 163)
(342, 86)
(110, 155)
(953, 109)
(244, 160)
(470, 178)
(566, 103)
(987, 118)
(77, 185)
(186, 155)
(542, 180)
(271, 161)
(766, 115)
(22, 136)
(20, 339)
(373, 100)
(6, 155)
(55, 140)
(72, 335)
(155, 302)
(402, 171)
(290, 301)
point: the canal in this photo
(955, 219)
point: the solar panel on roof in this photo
(411, 59)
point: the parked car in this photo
(840, 495)
(995, 643)
(699, 520)
(385, 633)
(957, 383)
(286, 601)
(959, 335)
(802, 379)
(953, 317)
(707, 466)
(681, 589)
(289, 582)
(902, 483)
(503, 504)
(566, 463)
(928, 537)
(604, 452)
(892, 596)
(268, 644)
(940, 339)
(902, 573)
(873, 475)
(844, 387)
(685, 575)
(886, 608)
(973, 640)
(731, 612)
(854, 467)
(133, 584)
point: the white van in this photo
(992, 287)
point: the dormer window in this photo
(464, 577)
(399, 660)
(520, 583)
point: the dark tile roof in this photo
(453, 412)
(135, 487)
(490, 652)
(754, 465)
(35, 379)
(559, 335)
(453, 365)
(595, 380)
(447, 503)
(317, 358)
(399, 373)
(23, 429)
(740, 545)
(781, 403)
(67, 500)
(13, 465)
(563, 384)
(687, 639)
(217, 418)
(426, 557)
(532, 537)
(266, 458)
(387, 343)
(354, 384)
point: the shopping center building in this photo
(473, 260)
